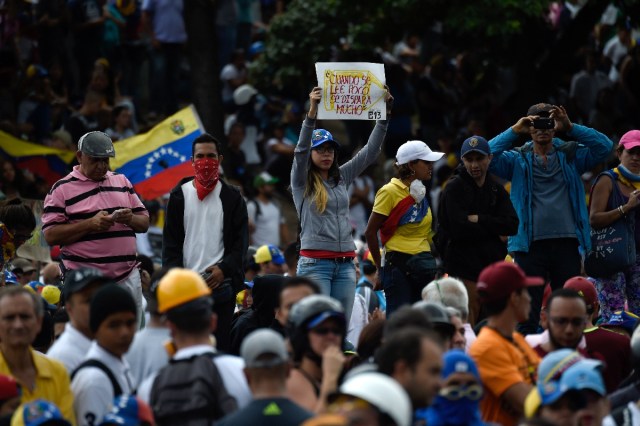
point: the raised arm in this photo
(369, 153)
(303, 148)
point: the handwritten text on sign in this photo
(352, 91)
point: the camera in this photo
(545, 123)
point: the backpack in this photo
(117, 390)
(190, 392)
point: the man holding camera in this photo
(548, 194)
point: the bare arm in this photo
(371, 235)
(599, 216)
(515, 396)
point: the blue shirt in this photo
(167, 20)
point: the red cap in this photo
(498, 280)
(585, 288)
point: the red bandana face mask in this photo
(206, 170)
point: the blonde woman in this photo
(320, 193)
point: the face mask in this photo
(417, 190)
(463, 411)
(206, 171)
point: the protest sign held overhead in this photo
(351, 91)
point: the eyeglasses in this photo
(453, 393)
(563, 321)
(325, 150)
(323, 331)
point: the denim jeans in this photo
(335, 279)
(404, 276)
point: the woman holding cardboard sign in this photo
(319, 186)
(614, 204)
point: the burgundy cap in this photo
(585, 288)
(498, 280)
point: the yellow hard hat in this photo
(178, 287)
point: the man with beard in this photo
(565, 318)
(206, 230)
(266, 221)
(547, 192)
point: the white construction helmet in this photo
(382, 392)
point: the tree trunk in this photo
(199, 19)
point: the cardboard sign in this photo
(351, 91)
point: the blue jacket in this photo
(589, 148)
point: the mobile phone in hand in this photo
(116, 214)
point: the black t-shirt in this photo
(267, 412)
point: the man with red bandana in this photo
(206, 229)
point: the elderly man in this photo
(94, 214)
(21, 314)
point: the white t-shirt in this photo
(147, 354)
(203, 228)
(70, 348)
(615, 51)
(92, 390)
(230, 368)
(267, 223)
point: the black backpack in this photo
(190, 392)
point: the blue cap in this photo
(318, 319)
(38, 412)
(320, 136)
(456, 361)
(269, 253)
(10, 277)
(585, 374)
(623, 319)
(550, 371)
(475, 144)
(256, 47)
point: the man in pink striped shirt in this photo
(93, 214)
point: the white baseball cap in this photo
(416, 150)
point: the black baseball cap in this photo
(78, 279)
(96, 144)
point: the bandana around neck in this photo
(626, 177)
(206, 171)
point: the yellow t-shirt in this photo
(413, 236)
(502, 364)
(52, 384)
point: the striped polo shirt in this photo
(75, 198)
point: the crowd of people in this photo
(470, 281)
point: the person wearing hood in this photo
(206, 229)
(474, 217)
(458, 401)
(265, 292)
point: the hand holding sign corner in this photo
(352, 91)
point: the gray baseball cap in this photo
(262, 342)
(96, 144)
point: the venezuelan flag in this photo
(155, 161)
(51, 164)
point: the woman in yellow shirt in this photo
(402, 215)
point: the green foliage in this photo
(310, 31)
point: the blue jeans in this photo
(404, 276)
(335, 279)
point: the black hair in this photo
(565, 293)
(206, 138)
(193, 317)
(404, 317)
(494, 307)
(291, 253)
(405, 345)
(370, 338)
(291, 282)
(368, 268)
(403, 171)
(117, 110)
(146, 264)
(46, 336)
(15, 214)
